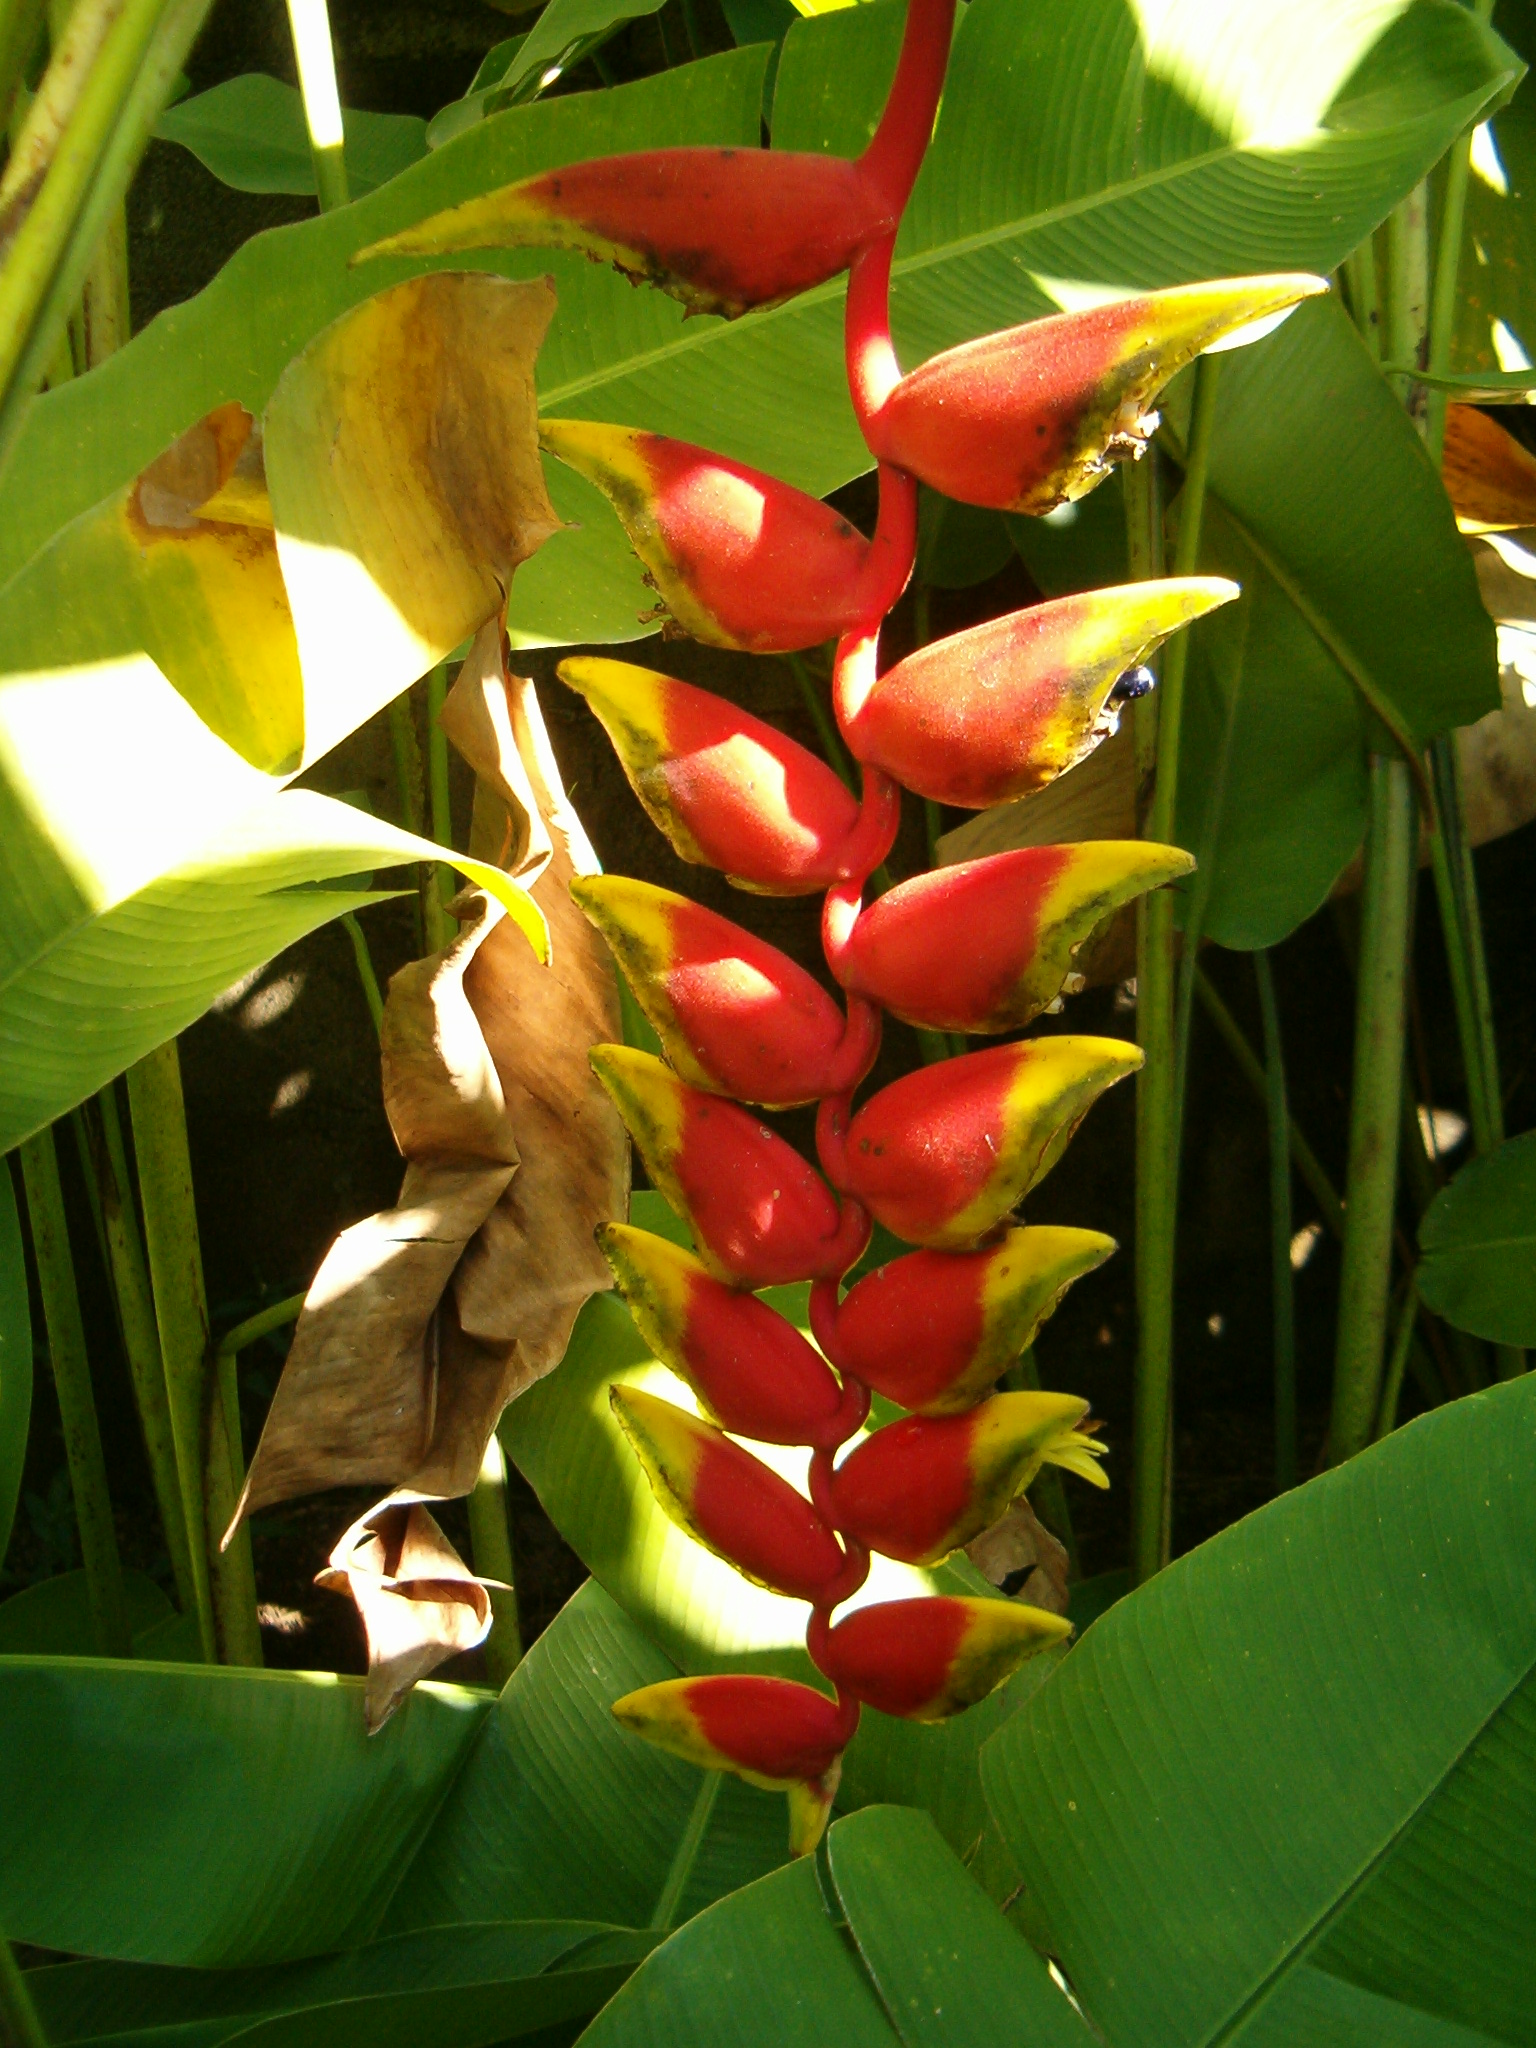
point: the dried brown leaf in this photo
(418, 1601)
(1020, 1542)
(424, 1321)
(1489, 476)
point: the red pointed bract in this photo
(760, 1215)
(926, 1659)
(729, 791)
(754, 1374)
(734, 1014)
(1004, 708)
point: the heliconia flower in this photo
(1006, 707)
(735, 1015)
(923, 1486)
(1027, 419)
(933, 1331)
(722, 230)
(739, 559)
(729, 791)
(942, 1155)
(926, 1659)
(770, 1731)
(1021, 916)
(729, 1501)
(754, 1374)
(759, 1214)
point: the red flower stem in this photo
(868, 351)
(895, 154)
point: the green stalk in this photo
(141, 1339)
(102, 135)
(20, 2026)
(1157, 1123)
(408, 786)
(1280, 1228)
(204, 1432)
(262, 1324)
(1407, 308)
(816, 705)
(1442, 309)
(490, 1539)
(1375, 1120)
(687, 1853)
(77, 1403)
(315, 55)
(442, 884)
(365, 974)
(84, 1152)
(1397, 1362)
(1364, 303)
(21, 24)
(1303, 1158)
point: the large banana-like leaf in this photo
(144, 867)
(272, 1828)
(1310, 1742)
(1083, 148)
(15, 1358)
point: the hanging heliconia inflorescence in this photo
(1022, 421)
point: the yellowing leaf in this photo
(1489, 475)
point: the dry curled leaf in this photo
(418, 1601)
(1489, 476)
(1021, 1555)
(425, 1320)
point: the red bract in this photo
(927, 1659)
(1031, 418)
(987, 945)
(754, 1373)
(759, 1214)
(738, 559)
(1005, 708)
(934, 1330)
(729, 791)
(941, 1156)
(730, 1501)
(734, 1015)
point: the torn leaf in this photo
(418, 1601)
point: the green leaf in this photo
(765, 1968)
(958, 545)
(446, 1983)
(559, 1810)
(145, 871)
(1339, 1763)
(53, 1618)
(1321, 2011)
(1496, 281)
(949, 1969)
(15, 1357)
(1478, 1238)
(211, 1816)
(564, 34)
(1231, 137)
(251, 133)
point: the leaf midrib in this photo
(1297, 1956)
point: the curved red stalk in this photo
(896, 151)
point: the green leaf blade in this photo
(1478, 1238)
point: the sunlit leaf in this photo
(251, 133)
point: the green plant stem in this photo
(1157, 1119)
(1283, 1306)
(21, 24)
(204, 1432)
(365, 974)
(693, 27)
(820, 714)
(85, 1153)
(1375, 1119)
(686, 1853)
(262, 1324)
(1442, 306)
(1397, 1362)
(1249, 1065)
(407, 753)
(442, 884)
(77, 1403)
(313, 49)
(102, 124)
(1364, 302)
(141, 1338)
(490, 1539)
(20, 2026)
